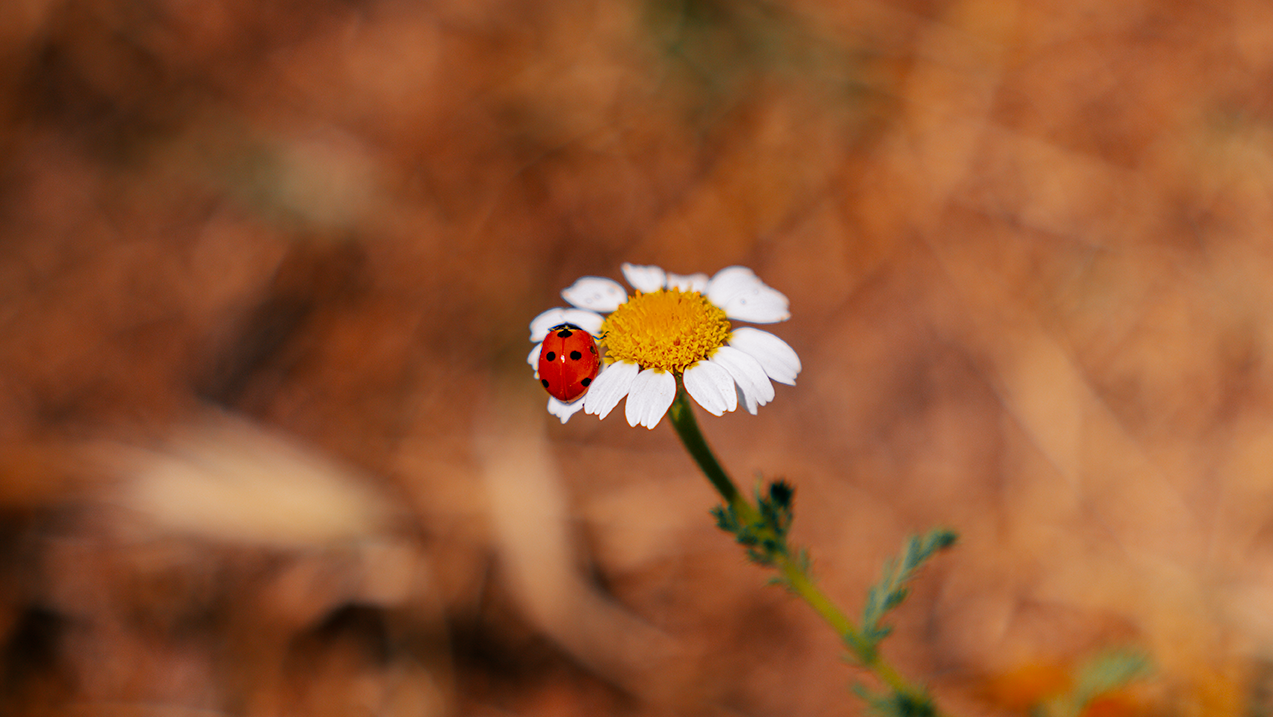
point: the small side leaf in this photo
(892, 588)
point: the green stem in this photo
(793, 572)
(802, 584)
(687, 428)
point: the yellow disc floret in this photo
(668, 329)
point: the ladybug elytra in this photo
(568, 362)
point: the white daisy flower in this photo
(674, 329)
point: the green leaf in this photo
(896, 704)
(1109, 672)
(891, 589)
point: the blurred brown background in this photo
(268, 442)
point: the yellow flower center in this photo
(668, 329)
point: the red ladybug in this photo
(568, 361)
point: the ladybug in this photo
(568, 361)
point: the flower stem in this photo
(687, 428)
(794, 573)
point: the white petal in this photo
(609, 387)
(534, 358)
(563, 410)
(595, 293)
(712, 386)
(589, 321)
(644, 278)
(753, 384)
(778, 359)
(693, 282)
(745, 297)
(652, 392)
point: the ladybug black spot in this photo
(585, 382)
(575, 355)
(544, 381)
(565, 334)
(551, 357)
(593, 349)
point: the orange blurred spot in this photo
(1027, 685)
(1115, 704)
(1030, 685)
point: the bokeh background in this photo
(269, 444)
